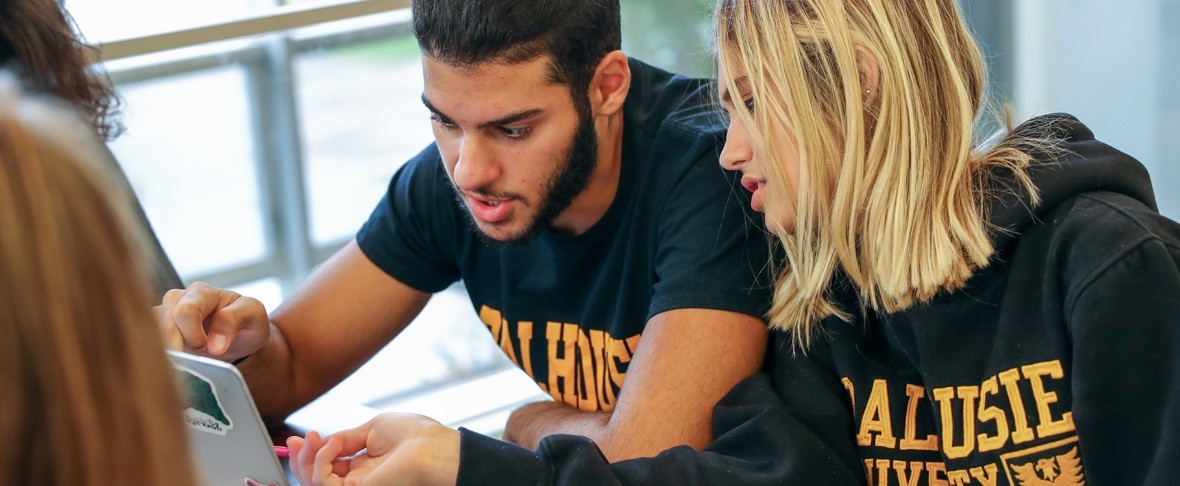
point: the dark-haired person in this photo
(39, 41)
(575, 192)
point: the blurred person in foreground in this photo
(89, 396)
(952, 311)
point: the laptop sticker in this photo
(205, 412)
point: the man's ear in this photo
(610, 84)
(870, 74)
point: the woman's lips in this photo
(755, 186)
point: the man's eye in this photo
(514, 132)
(447, 124)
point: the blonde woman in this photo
(998, 313)
(89, 397)
(949, 312)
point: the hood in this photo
(1078, 164)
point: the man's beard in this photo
(559, 191)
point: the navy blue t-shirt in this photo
(569, 310)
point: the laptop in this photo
(230, 444)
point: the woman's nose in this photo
(737, 148)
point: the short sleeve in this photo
(412, 234)
(712, 249)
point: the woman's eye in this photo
(749, 102)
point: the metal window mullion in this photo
(279, 18)
(279, 161)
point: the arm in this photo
(759, 441)
(687, 360)
(1125, 327)
(345, 312)
(342, 315)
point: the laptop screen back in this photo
(229, 441)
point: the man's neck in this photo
(592, 203)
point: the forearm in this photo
(679, 372)
(530, 423)
(758, 441)
(271, 378)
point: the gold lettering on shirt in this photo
(605, 394)
(1022, 433)
(993, 414)
(851, 392)
(618, 356)
(877, 418)
(909, 442)
(1047, 426)
(499, 329)
(524, 332)
(986, 475)
(563, 342)
(883, 471)
(933, 470)
(586, 367)
(915, 472)
(945, 398)
(586, 390)
(958, 478)
(878, 472)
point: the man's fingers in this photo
(198, 302)
(238, 317)
(169, 331)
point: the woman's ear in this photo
(870, 74)
(612, 81)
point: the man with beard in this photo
(590, 213)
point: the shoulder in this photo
(1106, 235)
(1108, 222)
(661, 103)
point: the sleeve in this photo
(711, 249)
(1125, 323)
(412, 233)
(759, 441)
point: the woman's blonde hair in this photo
(89, 395)
(880, 97)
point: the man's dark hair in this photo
(575, 34)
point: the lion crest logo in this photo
(1059, 470)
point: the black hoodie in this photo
(1056, 364)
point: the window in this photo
(1113, 65)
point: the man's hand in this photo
(390, 449)
(212, 322)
